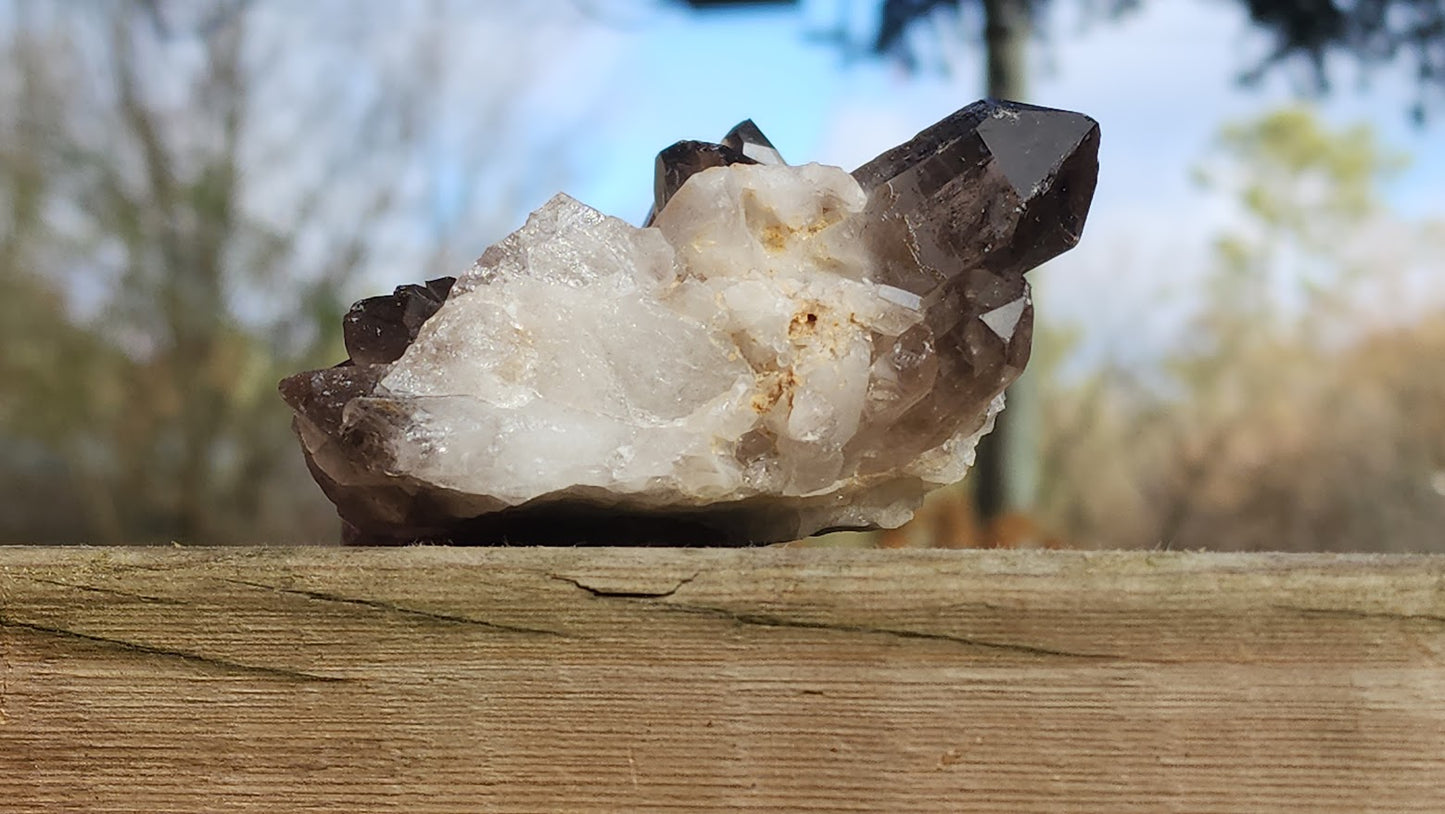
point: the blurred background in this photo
(1247, 351)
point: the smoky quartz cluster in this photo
(780, 350)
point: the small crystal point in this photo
(744, 144)
(377, 330)
(682, 161)
(320, 396)
(747, 139)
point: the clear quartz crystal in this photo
(785, 349)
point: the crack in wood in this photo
(165, 652)
(607, 593)
(769, 620)
(4, 674)
(168, 568)
(387, 607)
(109, 591)
(1349, 613)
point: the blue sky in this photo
(1161, 83)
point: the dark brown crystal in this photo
(999, 185)
(747, 139)
(744, 144)
(682, 161)
(378, 330)
(956, 216)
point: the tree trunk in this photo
(1006, 474)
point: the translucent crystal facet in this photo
(784, 350)
(747, 139)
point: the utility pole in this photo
(1005, 476)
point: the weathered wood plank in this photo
(432, 679)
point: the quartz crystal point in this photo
(747, 139)
(377, 330)
(685, 159)
(786, 350)
(744, 144)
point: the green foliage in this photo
(1296, 417)
(1304, 180)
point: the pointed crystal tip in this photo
(744, 144)
(999, 185)
(747, 139)
(377, 330)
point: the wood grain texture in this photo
(457, 680)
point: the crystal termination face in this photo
(783, 350)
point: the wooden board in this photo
(458, 680)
